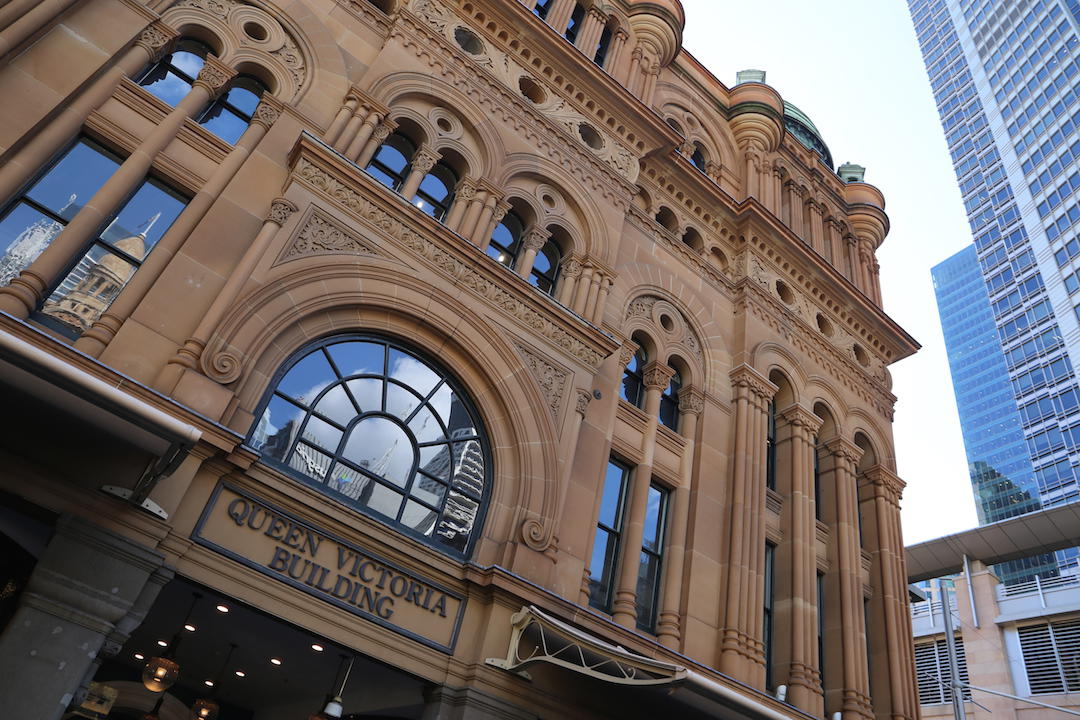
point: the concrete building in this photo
(471, 359)
(1004, 76)
(1020, 639)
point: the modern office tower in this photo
(1006, 82)
(434, 359)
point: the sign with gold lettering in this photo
(265, 538)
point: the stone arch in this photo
(705, 125)
(830, 427)
(312, 298)
(769, 356)
(863, 423)
(660, 317)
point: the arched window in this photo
(436, 191)
(542, 8)
(577, 17)
(545, 268)
(602, 46)
(506, 240)
(381, 428)
(669, 403)
(229, 116)
(171, 78)
(698, 158)
(632, 389)
(391, 162)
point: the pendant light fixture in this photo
(334, 707)
(161, 672)
(205, 708)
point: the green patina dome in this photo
(800, 125)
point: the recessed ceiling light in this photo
(162, 643)
(208, 683)
(317, 647)
(222, 609)
(275, 661)
(189, 627)
(140, 656)
(241, 673)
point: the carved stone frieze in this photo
(280, 211)
(667, 320)
(551, 378)
(584, 397)
(322, 236)
(465, 274)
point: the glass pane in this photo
(400, 402)
(609, 502)
(654, 518)
(224, 123)
(368, 394)
(457, 520)
(603, 551)
(376, 172)
(435, 188)
(429, 491)
(358, 358)
(243, 99)
(188, 63)
(630, 389)
(24, 234)
(89, 289)
(381, 499)
(381, 447)
(322, 434)
(337, 406)
(274, 433)
(419, 518)
(143, 220)
(410, 371)
(648, 582)
(310, 461)
(166, 85)
(307, 378)
(391, 158)
(503, 255)
(347, 481)
(435, 460)
(425, 427)
(73, 180)
(468, 469)
(460, 425)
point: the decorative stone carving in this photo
(466, 189)
(691, 401)
(463, 273)
(535, 238)
(800, 417)
(747, 377)
(424, 160)
(667, 321)
(550, 377)
(845, 450)
(157, 39)
(571, 268)
(280, 211)
(267, 111)
(322, 236)
(584, 397)
(430, 13)
(657, 376)
(215, 75)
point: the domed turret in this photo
(804, 130)
(659, 23)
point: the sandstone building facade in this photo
(464, 358)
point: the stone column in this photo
(533, 242)
(601, 302)
(656, 376)
(359, 141)
(652, 76)
(796, 209)
(104, 329)
(817, 226)
(668, 626)
(568, 277)
(596, 282)
(35, 17)
(752, 157)
(742, 652)
(615, 61)
(796, 607)
(344, 116)
(84, 585)
(487, 224)
(27, 290)
(633, 73)
(844, 622)
(559, 17)
(36, 151)
(591, 29)
(189, 355)
(851, 259)
(473, 210)
(776, 187)
(378, 137)
(833, 247)
(422, 162)
(13, 10)
(464, 194)
(584, 283)
(893, 667)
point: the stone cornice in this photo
(887, 482)
(721, 280)
(801, 417)
(844, 449)
(746, 376)
(353, 191)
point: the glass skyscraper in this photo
(1006, 78)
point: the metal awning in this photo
(54, 381)
(540, 639)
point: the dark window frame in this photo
(648, 599)
(602, 592)
(634, 374)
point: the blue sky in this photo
(854, 67)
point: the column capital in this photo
(627, 352)
(466, 189)
(744, 376)
(799, 416)
(214, 76)
(595, 13)
(582, 400)
(657, 375)
(886, 482)
(425, 159)
(383, 130)
(280, 211)
(499, 212)
(844, 449)
(691, 400)
(535, 237)
(571, 267)
(157, 39)
(267, 111)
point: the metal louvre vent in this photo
(932, 669)
(1052, 656)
